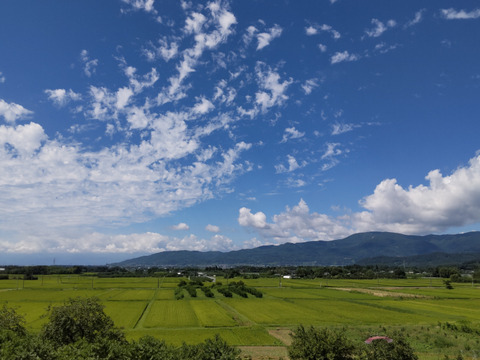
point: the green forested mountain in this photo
(357, 248)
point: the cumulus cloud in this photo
(379, 27)
(316, 29)
(292, 133)
(23, 139)
(292, 165)
(11, 112)
(2, 78)
(181, 226)
(203, 106)
(272, 91)
(265, 38)
(452, 14)
(294, 225)
(212, 228)
(343, 56)
(61, 97)
(446, 202)
(145, 5)
(311, 30)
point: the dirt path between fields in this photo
(382, 293)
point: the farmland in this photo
(437, 321)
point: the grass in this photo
(419, 308)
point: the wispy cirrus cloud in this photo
(416, 19)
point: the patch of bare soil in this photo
(381, 293)
(281, 334)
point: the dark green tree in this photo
(320, 344)
(10, 320)
(80, 318)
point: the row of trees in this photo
(80, 329)
(339, 272)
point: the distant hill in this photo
(356, 248)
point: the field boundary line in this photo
(146, 310)
(239, 318)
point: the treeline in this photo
(454, 273)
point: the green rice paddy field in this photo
(438, 322)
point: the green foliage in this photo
(10, 320)
(80, 318)
(382, 350)
(149, 348)
(320, 344)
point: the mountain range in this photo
(361, 248)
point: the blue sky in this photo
(131, 127)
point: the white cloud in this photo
(322, 47)
(311, 30)
(328, 28)
(212, 228)
(194, 23)
(203, 106)
(309, 85)
(181, 226)
(292, 165)
(247, 219)
(61, 97)
(446, 202)
(99, 243)
(2, 78)
(416, 20)
(89, 66)
(292, 133)
(380, 27)
(273, 91)
(24, 139)
(294, 225)
(452, 14)
(145, 5)
(11, 112)
(339, 57)
(167, 51)
(198, 25)
(264, 39)
(339, 128)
